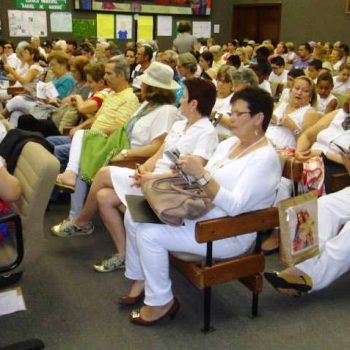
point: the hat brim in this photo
(146, 79)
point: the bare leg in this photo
(102, 180)
(108, 202)
(136, 288)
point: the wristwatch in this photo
(124, 153)
(204, 179)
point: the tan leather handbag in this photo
(173, 200)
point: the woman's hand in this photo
(191, 165)
(305, 155)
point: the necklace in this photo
(247, 149)
(222, 162)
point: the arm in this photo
(10, 188)
(308, 137)
(143, 151)
(332, 105)
(30, 76)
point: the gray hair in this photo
(121, 65)
(21, 46)
(171, 55)
(247, 76)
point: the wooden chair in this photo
(339, 181)
(248, 268)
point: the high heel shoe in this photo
(288, 281)
(131, 300)
(135, 316)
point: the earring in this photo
(256, 132)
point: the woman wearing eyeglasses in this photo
(230, 181)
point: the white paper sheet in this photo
(27, 23)
(61, 22)
(11, 301)
(164, 25)
(46, 90)
(201, 29)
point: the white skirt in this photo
(122, 182)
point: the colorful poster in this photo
(145, 28)
(170, 7)
(41, 4)
(84, 27)
(123, 27)
(105, 26)
(27, 23)
(61, 22)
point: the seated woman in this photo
(30, 58)
(229, 81)
(342, 80)
(194, 135)
(229, 180)
(333, 260)
(145, 131)
(289, 120)
(62, 81)
(87, 108)
(321, 139)
(205, 62)
(51, 126)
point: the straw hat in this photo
(159, 75)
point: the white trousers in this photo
(334, 257)
(18, 106)
(147, 258)
(75, 152)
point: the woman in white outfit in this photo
(333, 261)
(289, 120)
(230, 181)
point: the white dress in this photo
(223, 105)
(322, 103)
(281, 136)
(247, 183)
(334, 130)
(339, 86)
(199, 139)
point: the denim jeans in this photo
(61, 151)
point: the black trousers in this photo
(45, 126)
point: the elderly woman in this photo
(229, 81)
(194, 135)
(187, 66)
(229, 180)
(141, 137)
(62, 81)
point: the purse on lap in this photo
(173, 200)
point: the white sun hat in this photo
(159, 75)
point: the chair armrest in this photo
(14, 91)
(339, 181)
(128, 163)
(220, 228)
(293, 169)
(13, 217)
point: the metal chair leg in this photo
(255, 302)
(207, 310)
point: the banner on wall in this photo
(41, 4)
(173, 7)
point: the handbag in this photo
(173, 199)
(298, 228)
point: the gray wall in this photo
(302, 20)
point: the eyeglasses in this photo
(238, 114)
(7, 47)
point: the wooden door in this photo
(257, 22)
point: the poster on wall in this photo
(84, 27)
(173, 7)
(201, 29)
(123, 27)
(61, 22)
(41, 4)
(27, 23)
